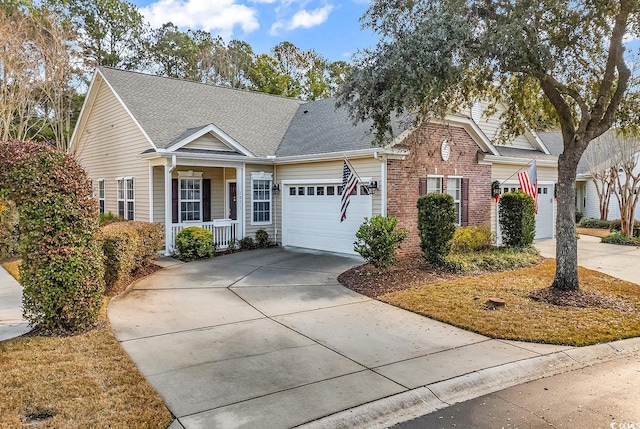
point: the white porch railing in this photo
(224, 231)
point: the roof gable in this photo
(168, 108)
(210, 138)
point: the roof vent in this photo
(305, 111)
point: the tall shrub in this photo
(377, 240)
(61, 268)
(8, 229)
(436, 224)
(517, 219)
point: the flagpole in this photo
(518, 170)
(352, 169)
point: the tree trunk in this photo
(566, 277)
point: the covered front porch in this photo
(188, 192)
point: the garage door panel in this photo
(313, 221)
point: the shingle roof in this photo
(318, 127)
(553, 141)
(167, 108)
(525, 153)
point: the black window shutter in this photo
(206, 200)
(174, 200)
(465, 202)
(422, 190)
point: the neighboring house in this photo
(587, 200)
(183, 153)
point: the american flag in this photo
(349, 183)
(529, 183)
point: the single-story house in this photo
(587, 200)
(234, 161)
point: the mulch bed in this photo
(581, 299)
(407, 273)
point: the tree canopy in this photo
(545, 60)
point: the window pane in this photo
(331, 190)
(310, 190)
(301, 190)
(292, 190)
(364, 190)
(320, 190)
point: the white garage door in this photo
(311, 217)
(544, 219)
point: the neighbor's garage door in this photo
(311, 217)
(544, 218)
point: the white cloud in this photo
(303, 19)
(220, 17)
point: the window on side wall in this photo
(101, 196)
(126, 198)
(261, 198)
(454, 188)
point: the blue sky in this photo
(330, 28)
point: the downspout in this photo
(168, 213)
(383, 182)
(275, 218)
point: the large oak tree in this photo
(435, 57)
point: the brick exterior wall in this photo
(403, 177)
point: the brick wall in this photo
(403, 177)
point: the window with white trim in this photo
(261, 197)
(454, 188)
(126, 198)
(434, 184)
(101, 196)
(190, 200)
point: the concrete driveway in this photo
(269, 339)
(617, 261)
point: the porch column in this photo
(240, 205)
(168, 213)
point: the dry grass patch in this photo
(462, 302)
(596, 232)
(80, 381)
(12, 268)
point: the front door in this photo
(233, 208)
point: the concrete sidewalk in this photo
(617, 261)
(269, 339)
(11, 322)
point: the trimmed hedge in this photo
(468, 239)
(194, 243)
(61, 269)
(586, 222)
(377, 240)
(517, 219)
(127, 247)
(9, 237)
(616, 225)
(436, 225)
(617, 237)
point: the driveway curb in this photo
(433, 397)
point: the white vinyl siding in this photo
(110, 134)
(208, 142)
(491, 126)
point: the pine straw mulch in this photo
(604, 309)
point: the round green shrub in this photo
(616, 237)
(262, 238)
(378, 240)
(436, 225)
(194, 243)
(517, 219)
(586, 222)
(579, 216)
(61, 269)
(246, 243)
(468, 239)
